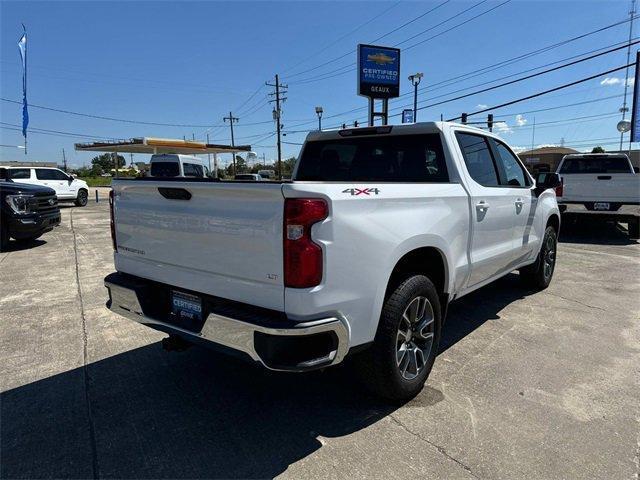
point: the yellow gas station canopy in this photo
(159, 145)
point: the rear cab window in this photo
(165, 169)
(595, 165)
(395, 158)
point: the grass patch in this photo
(97, 181)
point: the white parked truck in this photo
(600, 185)
(380, 228)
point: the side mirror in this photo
(545, 181)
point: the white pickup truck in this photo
(600, 185)
(380, 228)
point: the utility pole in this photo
(64, 160)
(624, 108)
(280, 91)
(232, 119)
(533, 134)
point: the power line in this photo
(341, 70)
(350, 52)
(113, 119)
(544, 92)
(495, 66)
(350, 33)
(527, 77)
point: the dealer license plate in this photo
(186, 307)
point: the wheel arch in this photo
(554, 221)
(428, 260)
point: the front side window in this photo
(19, 173)
(512, 172)
(394, 158)
(477, 157)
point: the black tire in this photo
(539, 274)
(634, 229)
(379, 367)
(83, 198)
(29, 239)
(4, 236)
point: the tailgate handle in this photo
(175, 193)
(604, 177)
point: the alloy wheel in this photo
(414, 339)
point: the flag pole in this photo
(22, 46)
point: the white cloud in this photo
(482, 106)
(502, 127)
(519, 149)
(520, 120)
(609, 81)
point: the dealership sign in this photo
(378, 71)
(407, 115)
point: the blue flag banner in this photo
(22, 46)
(635, 109)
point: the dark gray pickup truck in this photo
(26, 211)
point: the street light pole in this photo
(319, 112)
(415, 80)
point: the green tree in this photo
(106, 162)
(598, 149)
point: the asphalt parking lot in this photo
(527, 385)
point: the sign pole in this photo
(371, 109)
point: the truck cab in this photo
(176, 165)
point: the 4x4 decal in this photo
(361, 191)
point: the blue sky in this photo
(190, 63)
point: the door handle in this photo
(482, 206)
(519, 202)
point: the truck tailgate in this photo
(603, 187)
(222, 239)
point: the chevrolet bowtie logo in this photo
(381, 59)
(51, 201)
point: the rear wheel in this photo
(634, 228)
(540, 273)
(82, 199)
(398, 363)
(4, 235)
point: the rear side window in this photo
(50, 174)
(478, 159)
(165, 169)
(19, 173)
(596, 165)
(399, 158)
(192, 170)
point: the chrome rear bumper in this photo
(236, 334)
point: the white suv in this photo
(67, 187)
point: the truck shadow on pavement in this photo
(15, 246)
(146, 413)
(595, 232)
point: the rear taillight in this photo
(560, 188)
(302, 257)
(112, 222)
